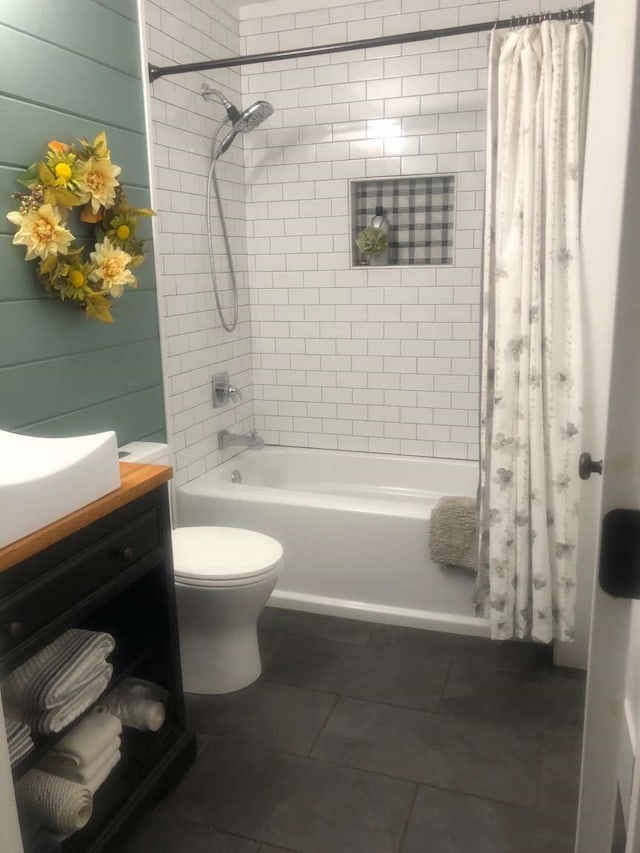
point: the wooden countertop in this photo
(136, 480)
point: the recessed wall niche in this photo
(420, 214)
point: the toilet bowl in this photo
(224, 576)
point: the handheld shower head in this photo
(246, 122)
(253, 116)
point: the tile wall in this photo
(382, 360)
(195, 345)
(385, 359)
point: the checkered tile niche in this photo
(420, 212)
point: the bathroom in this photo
(328, 355)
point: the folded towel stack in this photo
(88, 753)
(57, 684)
(453, 532)
(138, 704)
(19, 740)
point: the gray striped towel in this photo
(59, 718)
(19, 740)
(59, 672)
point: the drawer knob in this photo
(15, 630)
(126, 554)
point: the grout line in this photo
(408, 820)
(323, 726)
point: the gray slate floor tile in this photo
(155, 834)
(276, 715)
(471, 757)
(404, 678)
(513, 655)
(315, 625)
(296, 803)
(535, 699)
(561, 751)
(446, 822)
(267, 848)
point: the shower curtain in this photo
(531, 360)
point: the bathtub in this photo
(354, 528)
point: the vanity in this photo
(106, 567)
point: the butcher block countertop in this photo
(136, 480)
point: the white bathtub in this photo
(354, 528)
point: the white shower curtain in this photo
(531, 384)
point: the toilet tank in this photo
(145, 452)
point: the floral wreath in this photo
(70, 176)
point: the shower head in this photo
(245, 123)
(253, 116)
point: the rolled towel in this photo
(60, 805)
(83, 774)
(59, 718)
(453, 532)
(136, 712)
(59, 671)
(89, 740)
(138, 703)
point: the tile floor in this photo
(363, 738)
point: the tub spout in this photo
(249, 439)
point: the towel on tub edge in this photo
(453, 532)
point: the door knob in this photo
(588, 466)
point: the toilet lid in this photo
(224, 553)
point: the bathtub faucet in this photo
(249, 439)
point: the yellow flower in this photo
(77, 278)
(123, 232)
(63, 173)
(111, 268)
(97, 179)
(41, 231)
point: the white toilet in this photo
(224, 576)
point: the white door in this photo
(611, 239)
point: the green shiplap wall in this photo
(68, 69)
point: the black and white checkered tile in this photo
(420, 212)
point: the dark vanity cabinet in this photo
(107, 568)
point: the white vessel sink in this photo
(43, 479)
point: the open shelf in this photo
(124, 665)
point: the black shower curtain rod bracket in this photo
(582, 13)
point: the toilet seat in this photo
(223, 556)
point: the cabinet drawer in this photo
(55, 592)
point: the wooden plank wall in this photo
(68, 69)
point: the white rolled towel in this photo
(138, 703)
(88, 740)
(60, 805)
(136, 712)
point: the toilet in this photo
(224, 576)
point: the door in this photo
(611, 240)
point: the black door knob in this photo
(15, 630)
(588, 466)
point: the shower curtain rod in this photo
(583, 13)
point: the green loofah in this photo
(372, 241)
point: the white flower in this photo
(111, 267)
(97, 179)
(41, 232)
